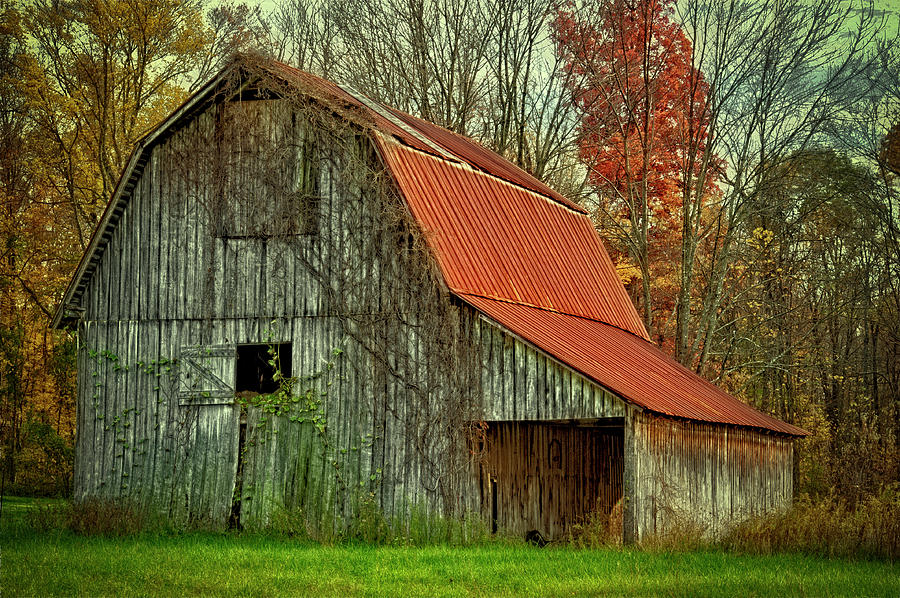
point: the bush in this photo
(829, 527)
(44, 463)
(682, 534)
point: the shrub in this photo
(91, 517)
(291, 523)
(682, 534)
(829, 526)
(368, 525)
(598, 529)
(427, 528)
(99, 517)
(43, 463)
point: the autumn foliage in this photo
(643, 131)
(80, 83)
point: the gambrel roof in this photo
(526, 258)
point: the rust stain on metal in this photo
(531, 260)
(481, 158)
(717, 475)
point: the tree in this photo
(643, 138)
(100, 76)
(781, 75)
(482, 68)
(811, 337)
(80, 82)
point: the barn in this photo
(300, 300)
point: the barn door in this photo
(206, 385)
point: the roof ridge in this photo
(462, 163)
(550, 193)
(385, 112)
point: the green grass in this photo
(61, 563)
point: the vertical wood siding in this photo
(698, 474)
(167, 282)
(547, 477)
(521, 383)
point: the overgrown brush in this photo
(369, 526)
(829, 526)
(680, 535)
(598, 529)
(92, 517)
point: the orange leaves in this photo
(643, 135)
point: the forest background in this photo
(739, 157)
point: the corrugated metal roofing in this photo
(335, 96)
(631, 367)
(483, 159)
(499, 240)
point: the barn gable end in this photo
(450, 334)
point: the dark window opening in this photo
(257, 364)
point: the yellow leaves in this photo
(760, 238)
(164, 103)
(627, 272)
(195, 35)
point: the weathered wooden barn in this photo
(300, 299)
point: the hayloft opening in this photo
(257, 364)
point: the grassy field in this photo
(61, 563)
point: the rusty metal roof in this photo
(632, 368)
(499, 240)
(530, 260)
(481, 158)
(508, 245)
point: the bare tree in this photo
(780, 73)
(483, 68)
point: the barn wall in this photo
(140, 438)
(165, 262)
(521, 383)
(531, 404)
(698, 474)
(363, 333)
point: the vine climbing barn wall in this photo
(258, 219)
(355, 298)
